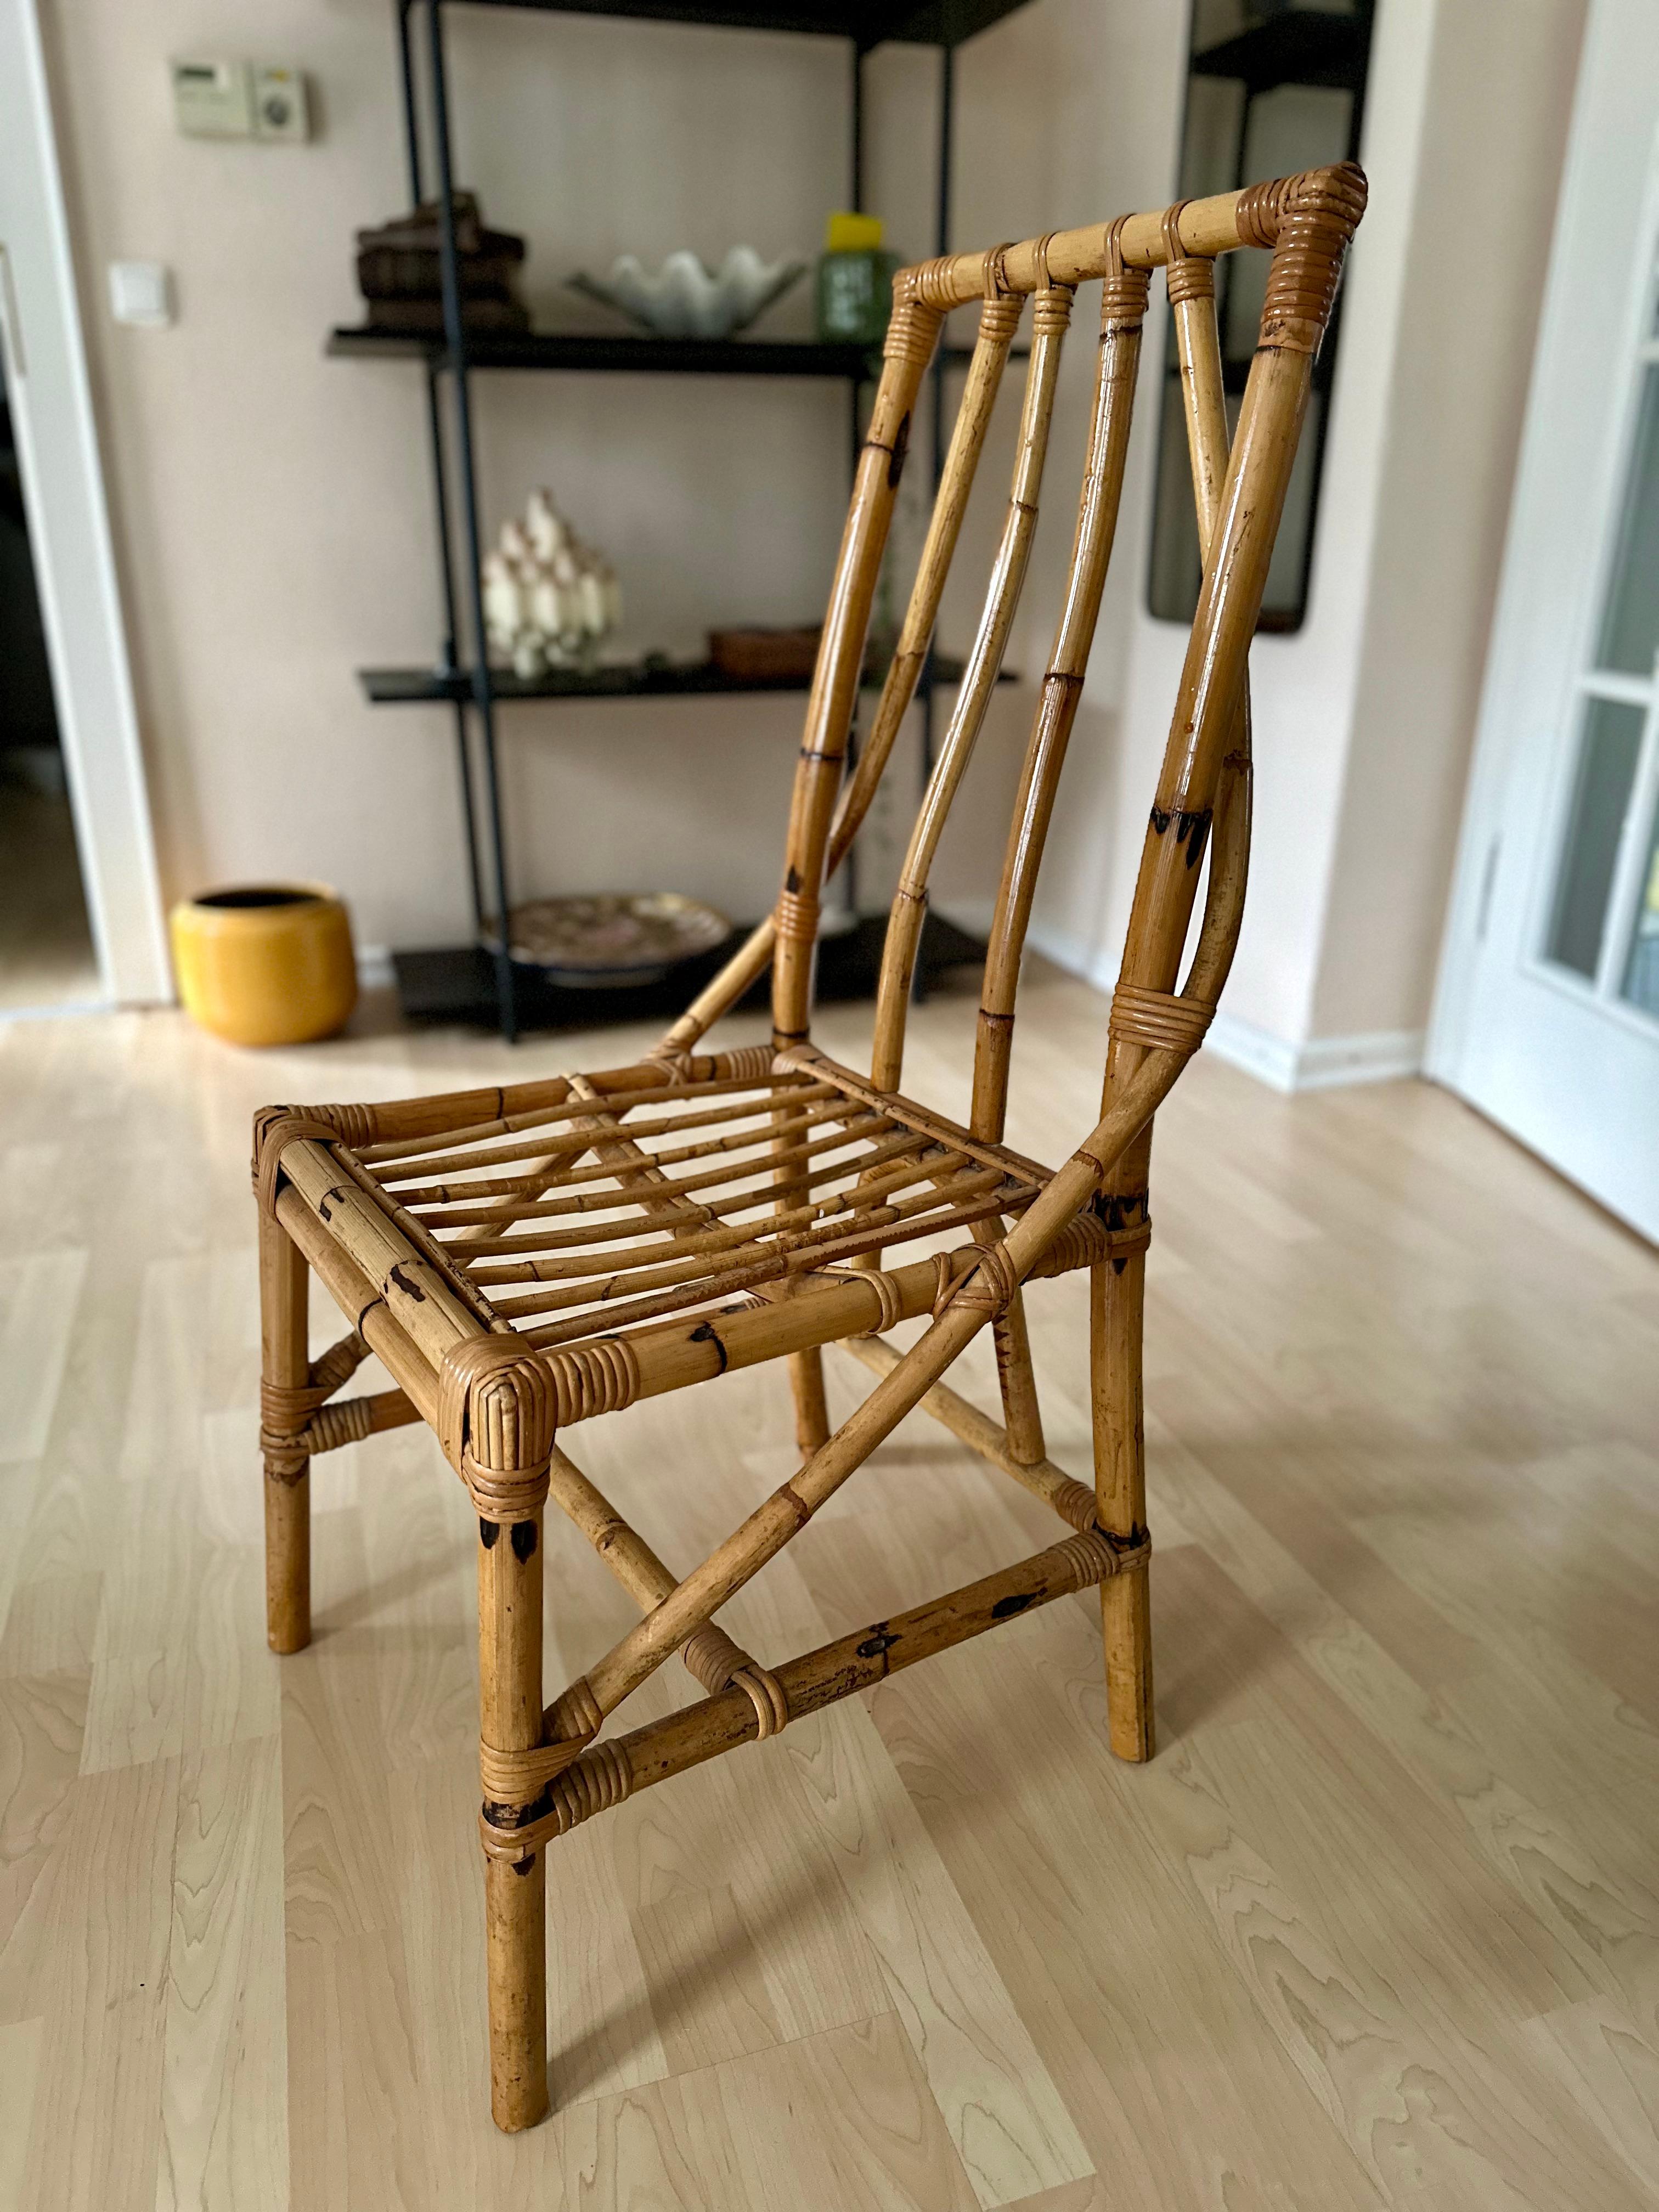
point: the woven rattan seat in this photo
(524, 1258)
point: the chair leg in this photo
(515, 1890)
(285, 1283)
(1116, 1297)
(1020, 1410)
(811, 1409)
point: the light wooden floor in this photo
(1380, 1926)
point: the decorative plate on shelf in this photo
(612, 938)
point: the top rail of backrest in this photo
(1207, 227)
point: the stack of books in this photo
(400, 272)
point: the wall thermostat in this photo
(219, 98)
(213, 98)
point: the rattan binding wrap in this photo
(1161, 1019)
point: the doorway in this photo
(46, 954)
(1548, 1011)
(80, 903)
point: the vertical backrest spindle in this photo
(998, 319)
(1050, 316)
(911, 335)
(1123, 308)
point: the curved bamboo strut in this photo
(998, 319)
(1123, 300)
(911, 335)
(1050, 316)
(1198, 350)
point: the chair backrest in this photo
(1239, 489)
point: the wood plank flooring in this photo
(1379, 1927)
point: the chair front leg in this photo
(284, 1409)
(1116, 1299)
(515, 1889)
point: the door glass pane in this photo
(1630, 621)
(1606, 767)
(1641, 984)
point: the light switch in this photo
(213, 98)
(141, 293)
(281, 109)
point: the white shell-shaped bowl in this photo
(683, 300)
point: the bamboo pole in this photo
(1050, 316)
(417, 1290)
(1038, 1474)
(284, 1282)
(1123, 300)
(911, 335)
(999, 319)
(349, 1420)
(1017, 1383)
(1115, 1308)
(515, 1890)
(361, 1303)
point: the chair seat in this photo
(636, 1201)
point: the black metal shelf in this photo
(868, 23)
(459, 984)
(649, 357)
(607, 355)
(1302, 46)
(674, 679)
(448, 360)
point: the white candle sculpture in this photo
(547, 598)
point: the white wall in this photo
(272, 506)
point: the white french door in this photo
(1548, 1012)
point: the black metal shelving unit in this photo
(467, 983)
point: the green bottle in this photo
(855, 281)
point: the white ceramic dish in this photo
(684, 299)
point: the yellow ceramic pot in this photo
(269, 964)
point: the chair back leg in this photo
(1116, 1296)
(811, 1407)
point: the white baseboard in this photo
(1321, 1063)
(374, 968)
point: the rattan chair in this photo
(524, 1258)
